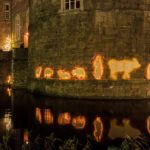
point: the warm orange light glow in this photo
(148, 72)
(64, 118)
(8, 121)
(48, 116)
(63, 75)
(26, 37)
(9, 79)
(48, 73)
(7, 44)
(38, 72)
(26, 136)
(79, 73)
(98, 67)
(98, 129)
(9, 91)
(124, 66)
(79, 122)
(38, 115)
(148, 124)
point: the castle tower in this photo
(89, 48)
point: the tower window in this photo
(71, 4)
(17, 28)
(7, 11)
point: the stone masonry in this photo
(5, 22)
(114, 29)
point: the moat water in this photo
(102, 123)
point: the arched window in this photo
(7, 11)
(17, 28)
(26, 32)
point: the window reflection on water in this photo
(9, 91)
(64, 118)
(8, 121)
(38, 115)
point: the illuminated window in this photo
(71, 4)
(17, 28)
(148, 72)
(7, 11)
(26, 32)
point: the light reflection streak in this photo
(79, 122)
(64, 118)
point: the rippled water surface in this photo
(103, 122)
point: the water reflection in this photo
(9, 91)
(9, 79)
(8, 121)
(79, 122)
(44, 116)
(48, 116)
(122, 130)
(38, 115)
(64, 118)
(148, 124)
(98, 129)
(26, 136)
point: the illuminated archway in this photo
(98, 68)
(17, 28)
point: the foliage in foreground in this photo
(51, 142)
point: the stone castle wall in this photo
(5, 68)
(19, 68)
(5, 25)
(20, 9)
(117, 30)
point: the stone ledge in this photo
(135, 89)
